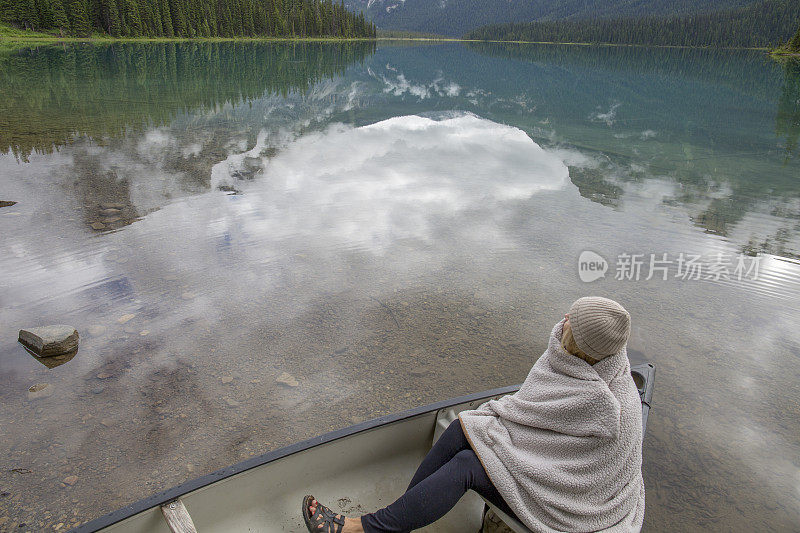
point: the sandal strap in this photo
(331, 518)
(330, 521)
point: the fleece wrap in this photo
(565, 451)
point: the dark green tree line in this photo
(188, 18)
(765, 23)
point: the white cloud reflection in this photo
(389, 180)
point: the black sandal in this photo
(333, 523)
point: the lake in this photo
(259, 243)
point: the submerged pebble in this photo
(231, 402)
(39, 391)
(125, 318)
(287, 379)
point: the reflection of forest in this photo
(51, 94)
(787, 120)
(724, 170)
(742, 70)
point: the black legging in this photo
(449, 470)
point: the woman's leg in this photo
(450, 443)
(449, 469)
(444, 449)
(431, 498)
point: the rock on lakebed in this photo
(47, 341)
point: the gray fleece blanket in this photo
(565, 451)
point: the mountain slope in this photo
(763, 24)
(456, 17)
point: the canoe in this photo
(353, 470)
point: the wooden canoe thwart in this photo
(177, 517)
(353, 470)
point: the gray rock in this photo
(47, 341)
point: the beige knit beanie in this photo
(600, 326)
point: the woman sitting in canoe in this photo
(564, 453)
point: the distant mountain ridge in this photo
(457, 17)
(765, 23)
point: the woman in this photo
(564, 453)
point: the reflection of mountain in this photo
(52, 94)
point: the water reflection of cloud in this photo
(385, 181)
(397, 84)
(608, 117)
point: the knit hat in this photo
(600, 326)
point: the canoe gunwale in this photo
(259, 460)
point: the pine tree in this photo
(794, 43)
(45, 13)
(178, 21)
(109, 17)
(166, 18)
(130, 14)
(59, 20)
(29, 15)
(78, 18)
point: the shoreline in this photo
(784, 54)
(22, 40)
(54, 39)
(10, 36)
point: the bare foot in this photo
(351, 525)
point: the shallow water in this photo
(390, 227)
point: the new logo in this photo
(591, 266)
